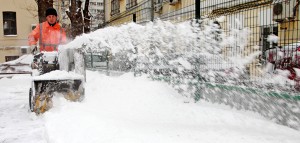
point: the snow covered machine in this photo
(61, 73)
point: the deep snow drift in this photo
(130, 109)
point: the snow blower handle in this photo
(33, 49)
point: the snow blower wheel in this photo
(31, 105)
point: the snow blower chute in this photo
(56, 73)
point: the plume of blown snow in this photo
(272, 38)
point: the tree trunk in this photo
(42, 7)
(76, 19)
(87, 17)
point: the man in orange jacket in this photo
(49, 33)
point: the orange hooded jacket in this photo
(49, 37)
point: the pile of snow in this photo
(191, 53)
(18, 125)
(25, 59)
(20, 65)
(130, 109)
(136, 109)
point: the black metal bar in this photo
(197, 9)
(15, 73)
(134, 17)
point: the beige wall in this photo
(119, 19)
(24, 20)
(107, 7)
(9, 51)
(184, 5)
(26, 15)
(289, 32)
(167, 8)
(253, 18)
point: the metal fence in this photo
(262, 17)
(267, 20)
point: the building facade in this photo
(262, 17)
(96, 10)
(18, 19)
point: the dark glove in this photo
(33, 48)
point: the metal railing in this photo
(262, 17)
(274, 32)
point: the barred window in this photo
(265, 32)
(158, 1)
(115, 7)
(10, 58)
(99, 4)
(92, 3)
(24, 50)
(9, 23)
(131, 3)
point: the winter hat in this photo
(51, 11)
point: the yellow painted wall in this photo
(25, 19)
(125, 15)
(107, 7)
(26, 15)
(289, 32)
(9, 51)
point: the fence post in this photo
(92, 65)
(197, 9)
(152, 10)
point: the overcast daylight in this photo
(145, 71)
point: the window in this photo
(10, 58)
(9, 23)
(115, 7)
(24, 50)
(131, 3)
(158, 1)
(265, 32)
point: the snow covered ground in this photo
(125, 109)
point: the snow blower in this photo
(56, 73)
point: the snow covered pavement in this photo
(17, 124)
(125, 109)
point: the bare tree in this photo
(31, 9)
(87, 17)
(42, 7)
(79, 23)
(76, 18)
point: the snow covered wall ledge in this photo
(190, 56)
